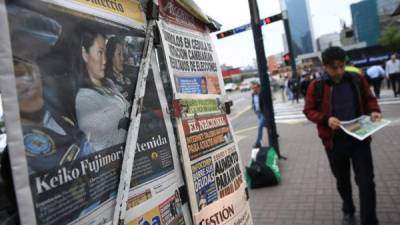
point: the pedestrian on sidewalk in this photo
(393, 73)
(304, 84)
(281, 83)
(258, 110)
(287, 89)
(294, 86)
(376, 74)
(341, 96)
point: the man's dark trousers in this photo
(348, 151)
(395, 81)
(377, 83)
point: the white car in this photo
(245, 86)
(230, 87)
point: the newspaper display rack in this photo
(211, 161)
(89, 133)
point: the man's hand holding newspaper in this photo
(363, 126)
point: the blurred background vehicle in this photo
(230, 87)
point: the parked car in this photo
(245, 86)
(230, 87)
(246, 83)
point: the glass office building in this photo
(300, 26)
(366, 21)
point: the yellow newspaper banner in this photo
(127, 8)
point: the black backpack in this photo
(263, 171)
(319, 88)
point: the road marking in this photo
(389, 102)
(240, 113)
(393, 122)
(245, 130)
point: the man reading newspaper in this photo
(341, 96)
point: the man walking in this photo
(393, 72)
(376, 74)
(257, 108)
(340, 96)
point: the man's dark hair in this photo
(332, 54)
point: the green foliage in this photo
(390, 38)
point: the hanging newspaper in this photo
(362, 127)
(211, 161)
(190, 54)
(75, 74)
(156, 177)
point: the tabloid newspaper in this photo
(211, 161)
(362, 127)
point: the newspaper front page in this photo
(362, 127)
(211, 160)
(74, 70)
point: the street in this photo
(307, 193)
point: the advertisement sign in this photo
(74, 77)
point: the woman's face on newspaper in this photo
(118, 58)
(95, 59)
(29, 86)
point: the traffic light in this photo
(286, 59)
(246, 27)
(272, 19)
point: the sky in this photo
(238, 50)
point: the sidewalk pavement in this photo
(307, 193)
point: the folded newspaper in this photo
(362, 127)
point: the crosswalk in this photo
(292, 113)
(288, 112)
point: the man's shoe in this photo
(258, 145)
(349, 219)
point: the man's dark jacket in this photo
(366, 104)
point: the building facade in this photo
(366, 21)
(387, 7)
(327, 40)
(300, 26)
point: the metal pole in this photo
(265, 95)
(285, 19)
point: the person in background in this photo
(281, 83)
(51, 139)
(305, 83)
(376, 74)
(294, 85)
(115, 70)
(351, 68)
(345, 96)
(258, 109)
(287, 89)
(98, 99)
(393, 73)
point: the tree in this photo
(390, 38)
